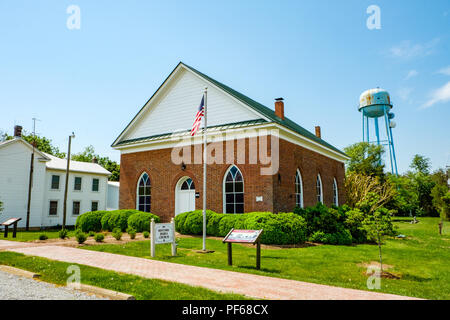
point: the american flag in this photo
(198, 117)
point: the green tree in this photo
(421, 164)
(405, 200)
(365, 159)
(88, 155)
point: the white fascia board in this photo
(232, 134)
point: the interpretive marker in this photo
(244, 236)
(9, 222)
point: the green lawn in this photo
(33, 235)
(422, 260)
(141, 288)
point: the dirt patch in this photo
(385, 274)
(72, 242)
(375, 264)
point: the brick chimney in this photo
(318, 132)
(17, 131)
(94, 160)
(279, 108)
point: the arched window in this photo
(319, 189)
(233, 189)
(335, 193)
(144, 193)
(298, 190)
(188, 185)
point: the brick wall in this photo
(164, 175)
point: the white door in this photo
(184, 196)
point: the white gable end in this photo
(176, 109)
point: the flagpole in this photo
(204, 169)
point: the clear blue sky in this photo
(318, 55)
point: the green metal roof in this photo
(269, 113)
(258, 107)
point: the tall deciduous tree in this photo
(365, 159)
(420, 164)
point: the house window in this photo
(298, 190)
(76, 208)
(53, 208)
(77, 185)
(95, 183)
(94, 205)
(55, 182)
(144, 193)
(319, 189)
(335, 193)
(233, 191)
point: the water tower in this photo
(375, 104)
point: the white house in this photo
(87, 188)
(112, 202)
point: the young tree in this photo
(365, 159)
(421, 164)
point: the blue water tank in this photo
(374, 102)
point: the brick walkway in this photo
(219, 280)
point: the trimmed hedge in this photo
(282, 228)
(140, 221)
(90, 221)
(96, 221)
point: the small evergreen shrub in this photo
(117, 233)
(81, 237)
(62, 234)
(105, 221)
(43, 236)
(131, 232)
(91, 233)
(99, 237)
(140, 221)
(146, 234)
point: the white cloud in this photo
(445, 71)
(406, 49)
(411, 73)
(438, 96)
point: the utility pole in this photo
(30, 180)
(67, 181)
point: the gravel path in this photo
(13, 287)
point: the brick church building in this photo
(258, 159)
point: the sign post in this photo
(161, 233)
(7, 223)
(244, 236)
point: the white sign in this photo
(163, 233)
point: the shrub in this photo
(119, 219)
(91, 233)
(281, 228)
(105, 221)
(131, 232)
(212, 224)
(90, 221)
(81, 237)
(228, 222)
(117, 233)
(43, 236)
(99, 237)
(146, 234)
(140, 221)
(62, 233)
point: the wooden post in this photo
(152, 238)
(174, 242)
(230, 254)
(440, 227)
(258, 255)
(15, 229)
(6, 231)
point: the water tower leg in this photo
(363, 138)
(367, 129)
(393, 151)
(377, 131)
(386, 120)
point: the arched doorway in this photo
(184, 195)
